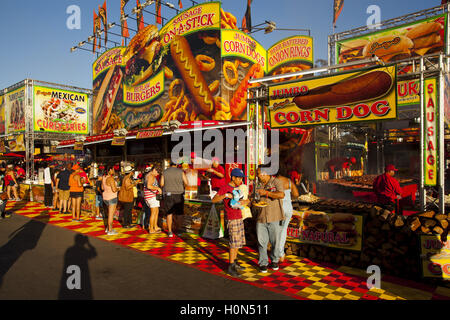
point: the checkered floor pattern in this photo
(297, 277)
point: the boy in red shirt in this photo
(235, 223)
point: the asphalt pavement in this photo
(38, 260)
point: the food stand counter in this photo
(88, 202)
(358, 234)
(361, 189)
(31, 191)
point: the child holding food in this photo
(235, 222)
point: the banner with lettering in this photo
(447, 98)
(243, 58)
(435, 257)
(335, 230)
(162, 75)
(408, 92)
(108, 60)
(431, 109)
(16, 143)
(15, 110)
(289, 55)
(364, 95)
(2, 114)
(414, 39)
(61, 111)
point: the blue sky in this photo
(36, 42)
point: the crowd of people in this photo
(157, 189)
(154, 189)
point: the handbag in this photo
(125, 195)
(159, 197)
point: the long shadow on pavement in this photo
(23, 239)
(76, 279)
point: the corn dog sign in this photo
(239, 44)
(368, 95)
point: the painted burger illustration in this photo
(143, 56)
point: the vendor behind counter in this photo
(339, 167)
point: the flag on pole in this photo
(94, 32)
(123, 21)
(338, 5)
(180, 4)
(158, 11)
(97, 28)
(247, 19)
(139, 16)
(103, 17)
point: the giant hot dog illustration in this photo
(191, 74)
(349, 91)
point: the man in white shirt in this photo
(48, 187)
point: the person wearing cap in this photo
(173, 182)
(76, 192)
(235, 223)
(126, 196)
(217, 175)
(386, 187)
(270, 219)
(340, 166)
(300, 182)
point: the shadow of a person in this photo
(23, 239)
(76, 280)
